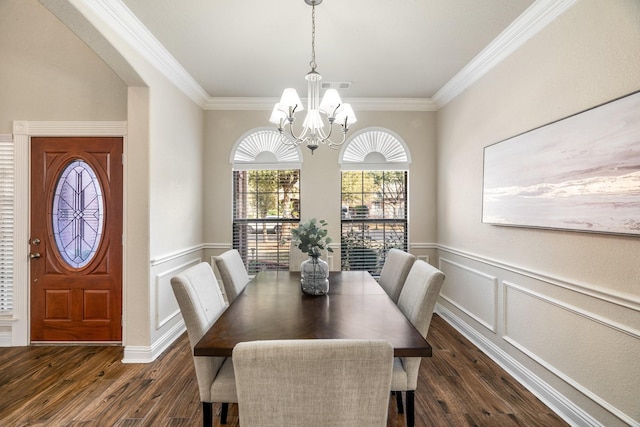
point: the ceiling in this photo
(385, 48)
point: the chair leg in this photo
(399, 402)
(223, 413)
(207, 414)
(410, 409)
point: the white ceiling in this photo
(385, 48)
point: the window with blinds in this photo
(266, 206)
(6, 223)
(374, 218)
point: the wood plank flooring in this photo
(89, 386)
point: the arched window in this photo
(375, 149)
(263, 149)
(266, 198)
(374, 164)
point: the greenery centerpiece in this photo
(311, 238)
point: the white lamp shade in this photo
(290, 98)
(330, 101)
(345, 111)
(278, 114)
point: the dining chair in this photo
(201, 303)
(394, 272)
(417, 301)
(233, 273)
(301, 383)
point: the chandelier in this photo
(331, 107)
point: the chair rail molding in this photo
(619, 298)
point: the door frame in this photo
(22, 133)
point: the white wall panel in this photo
(595, 355)
(166, 304)
(471, 291)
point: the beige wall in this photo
(320, 174)
(165, 177)
(47, 73)
(565, 304)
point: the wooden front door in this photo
(76, 239)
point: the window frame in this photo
(374, 150)
(359, 229)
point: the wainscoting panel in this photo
(166, 324)
(593, 354)
(574, 345)
(166, 305)
(471, 291)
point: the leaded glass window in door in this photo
(78, 214)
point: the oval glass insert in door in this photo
(78, 214)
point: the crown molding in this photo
(121, 20)
(359, 104)
(534, 19)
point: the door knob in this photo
(34, 255)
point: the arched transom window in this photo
(263, 149)
(375, 149)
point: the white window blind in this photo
(6, 223)
(374, 218)
(266, 206)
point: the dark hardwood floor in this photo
(89, 386)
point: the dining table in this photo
(273, 307)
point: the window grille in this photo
(266, 206)
(374, 218)
(6, 223)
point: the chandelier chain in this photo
(313, 36)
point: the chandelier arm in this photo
(325, 137)
(286, 141)
(335, 145)
(299, 139)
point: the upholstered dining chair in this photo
(394, 272)
(201, 303)
(417, 301)
(332, 382)
(233, 273)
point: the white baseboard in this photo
(560, 404)
(147, 354)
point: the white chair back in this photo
(233, 273)
(395, 271)
(417, 301)
(201, 303)
(302, 383)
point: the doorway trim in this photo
(22, 133)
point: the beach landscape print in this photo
(580, 173)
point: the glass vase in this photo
(314, 276)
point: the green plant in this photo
(311, 237)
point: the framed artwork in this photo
(579, 173)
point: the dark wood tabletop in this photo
(272, 307)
